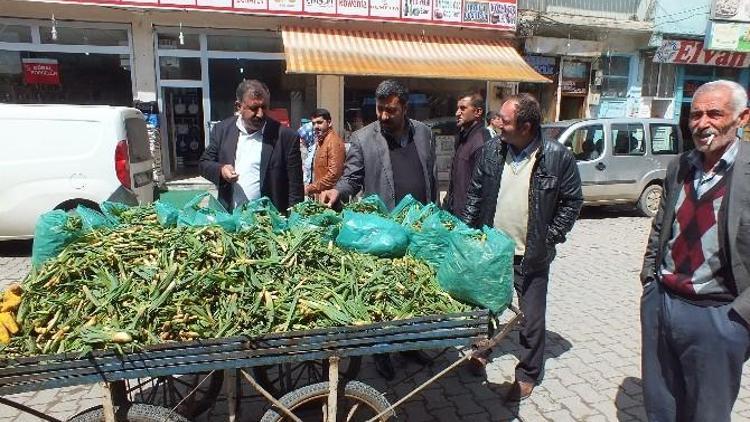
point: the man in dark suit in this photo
(251, 155)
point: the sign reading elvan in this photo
(692, 52)
(492, 14)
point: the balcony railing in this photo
(613, 9)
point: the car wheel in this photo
(648, 203)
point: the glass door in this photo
(183, 110)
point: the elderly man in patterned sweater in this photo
(695, 306)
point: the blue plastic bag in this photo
(54, 230)
(405, 205)
(166, 213)
(372, 234)
(431, 242)
(92, 219)
(205, 210)
(478, 268)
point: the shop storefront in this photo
(191, 60)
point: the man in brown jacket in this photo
(328, 164)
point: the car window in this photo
(586, 142)
(664, 139)
(628, 139)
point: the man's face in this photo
(510, 133)
(391, 113)
(252, 112)
(496, 122)
(712, 121)
(321, 126)
(466, 114)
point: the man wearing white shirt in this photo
(251, 155)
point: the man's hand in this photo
(228, 173)
(329, 197)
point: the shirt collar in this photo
(695, 158)
(530, 148)
(244, 131)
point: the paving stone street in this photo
(593, 345)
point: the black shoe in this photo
(417, 356)
(384, 366)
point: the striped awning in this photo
(340, 52)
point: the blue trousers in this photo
(692, 358)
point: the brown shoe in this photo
(521, 390)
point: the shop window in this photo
(664, 139)
(14, 33)
(81, 79)
(84, 36)
(615, 76)
(292, 96)
(587, 142)
(257, 41)
(171, 41)
(658, 78)
(627, 139)
(180, 68)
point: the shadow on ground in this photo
(629, 400)
(15, 248)
(604, 212)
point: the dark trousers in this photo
(692, 358)
(531, 289)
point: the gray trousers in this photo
(692, 358)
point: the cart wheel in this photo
(131, 413)
(284, 378)
(170, 392)
(359, 402)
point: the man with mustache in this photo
(250, 155)
(695, 306)
(328, 163)
(391, 157)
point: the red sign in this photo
(692, 52)
(41, 72)
(491, 14)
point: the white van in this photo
(60, 156)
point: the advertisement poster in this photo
(503, 14)
(353, 7)
(321, 6)
(447, 10)
(251, 4)
(729, 37)
(476, 12)
(386, 8)
(417, 9)
(285, 5)
(41, 72)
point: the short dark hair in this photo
(392, 87)
(254, 87)
(475, 99)
(321, 112)
(528, 110)
(491, 115)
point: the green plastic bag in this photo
(205, 210)
(166, 213)
(432, 241)
(478, 268)
(113, 210)
(92, 219)
(54, 230)
(404, 206)
(371, 204)
(249, 214)
(372, 234)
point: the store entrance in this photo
(183, 112)
(571, 107)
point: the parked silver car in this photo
(621, 161)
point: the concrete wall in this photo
(682, 17)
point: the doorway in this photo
(571, 107)
(183, 112)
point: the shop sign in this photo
(495, 14)
(41, 72)
(544, 65)
(574, 86)
(692, 52)
(731, 10)
(728, 37)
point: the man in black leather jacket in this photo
(531, 190)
